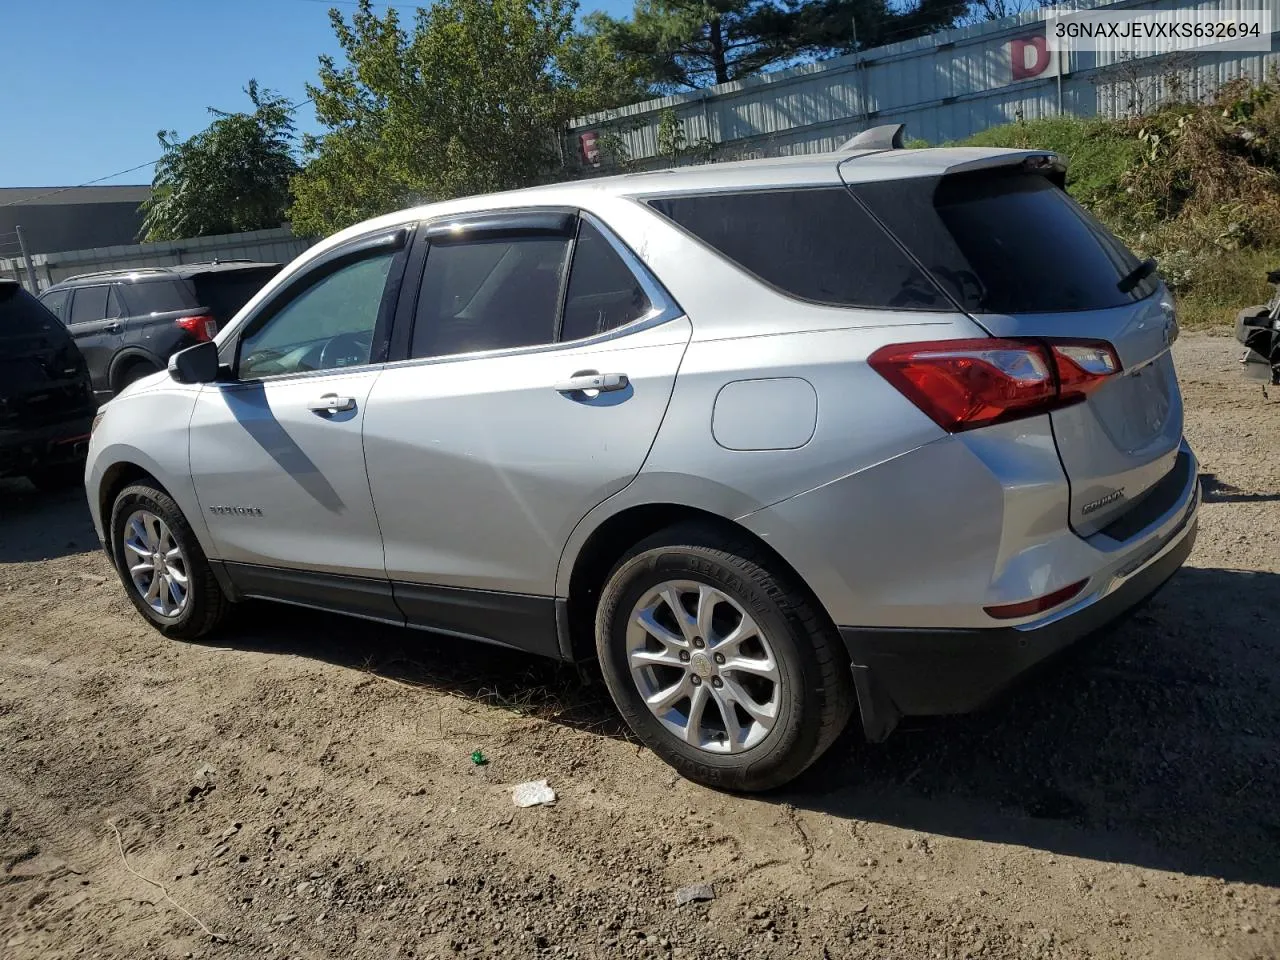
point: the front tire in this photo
(719, 661)
(163, 569)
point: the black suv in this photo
(46, 402)
(128, 322)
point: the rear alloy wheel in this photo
(161, 565)
(718, 661)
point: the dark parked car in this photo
(46, 402)
(128, 322)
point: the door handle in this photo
(332, 403)
(586, 380)
(113, 327)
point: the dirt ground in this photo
(302, 786)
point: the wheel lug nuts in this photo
(719, 658)
(717, 682)
(699, 642)
(684, 656)
(695, 680)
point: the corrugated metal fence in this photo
(278, 245)
(943, 87)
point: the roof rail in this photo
(115, 273)
(887, 136)
(218, 260)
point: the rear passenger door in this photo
(539, 357)
(95, 320)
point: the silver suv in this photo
(769, 440)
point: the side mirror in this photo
(198, 364)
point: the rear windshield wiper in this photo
(1135, 276)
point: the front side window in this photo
(56, 303)
(89, 304)
(603, 292)
(22, 315)
(115, 308)
(328, 326)
(817, 244)
(489, 295)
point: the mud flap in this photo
(879, 715)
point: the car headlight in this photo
(97, 419)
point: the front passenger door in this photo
(95, 322)
(276, 450)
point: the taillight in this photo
(202, 327)
(964, 384)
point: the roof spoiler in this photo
(887, 136)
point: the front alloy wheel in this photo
(161, 564)
(157, 565)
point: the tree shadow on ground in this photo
(1155, 744)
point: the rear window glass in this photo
(816, 244)
(158, 296)
(21, 314)
(1006, 242)
(225, 292)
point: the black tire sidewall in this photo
(191, 623)
(790, 745)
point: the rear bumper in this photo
(22, 451)
(928, 672)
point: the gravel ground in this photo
(302, 786)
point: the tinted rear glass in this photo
(21, 314)
(225, 292)
(817, 244)
(1006, 242)
(603, 292)
(158, 296)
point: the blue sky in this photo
(88, 83)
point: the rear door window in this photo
(489, 295)
(817, 244)
(1006, 241)
(603, 292)
(89, 304)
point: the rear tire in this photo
(65, 476)
(782, 680)
(148, 528)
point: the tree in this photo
(835, 27)
(695, 43)
(471, 99)
(231, 177)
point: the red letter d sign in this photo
(1030, 56)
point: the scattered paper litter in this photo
(533, 793)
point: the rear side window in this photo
(56, 303)
(603, 292)
(489, 295)
(1006, 242)
(158, 296)
(816, 244)
(89, 304)
(225, 292)
(22, 315)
